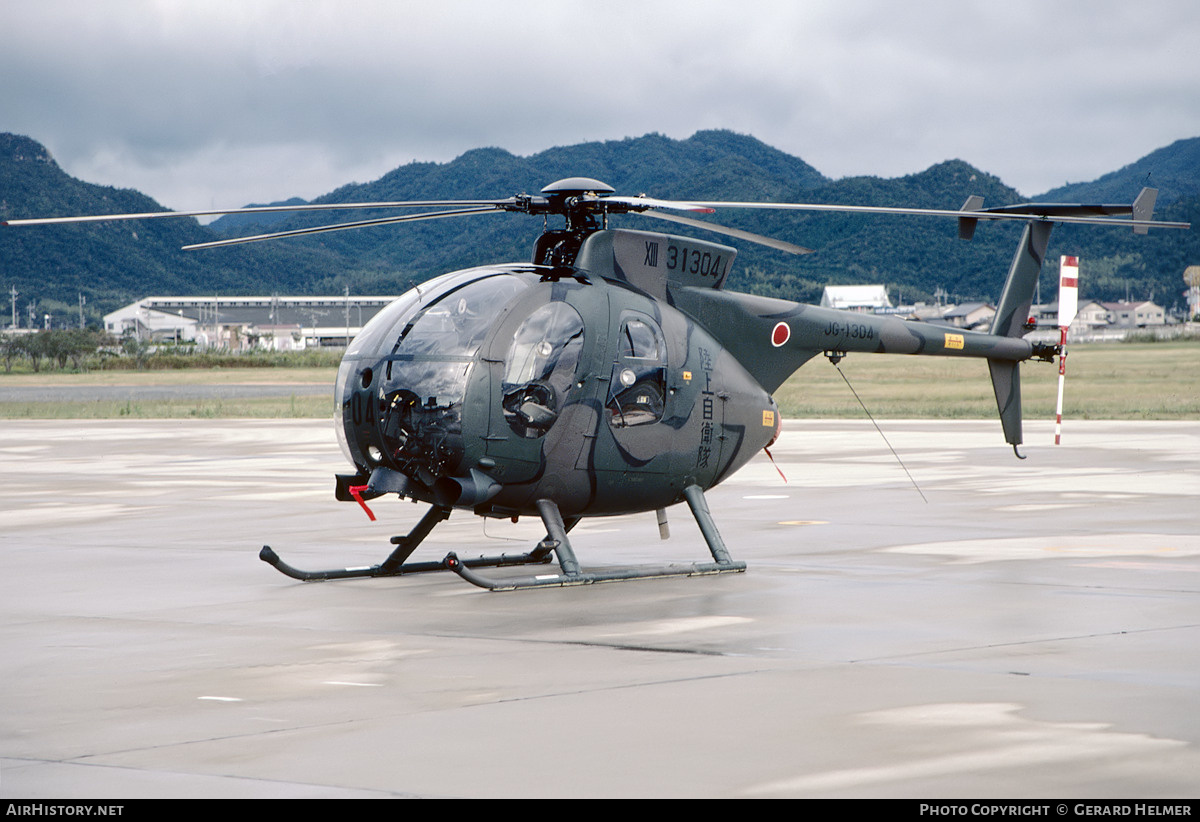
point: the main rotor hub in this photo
(577, 187)
(578, 200)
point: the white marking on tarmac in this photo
(1057, 546)
(1000, 739)
(668, 627)
(41, 515)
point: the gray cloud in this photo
(223, 103)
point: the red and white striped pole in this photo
(1068, 305)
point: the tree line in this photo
(54, 348)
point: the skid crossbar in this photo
(555, 545)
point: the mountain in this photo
(233, 223)
(708, 164)
(115, 263)
(1174, 170)
(1116, 264)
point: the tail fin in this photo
(1023, 274)
(1017, 297)
(1143, 209)
(1006, 382)
(1010, 321)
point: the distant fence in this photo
(1099, 335)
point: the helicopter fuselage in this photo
(494, 387)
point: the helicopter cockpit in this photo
(403, 381)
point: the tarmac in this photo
(994, 627)
(141, 393)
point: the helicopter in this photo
(613, 373)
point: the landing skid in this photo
(555, 545)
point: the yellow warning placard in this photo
(953, 341)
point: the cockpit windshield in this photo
(403, 380)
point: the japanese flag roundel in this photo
(781, 334)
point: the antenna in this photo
(835, 357)
(1068, 306)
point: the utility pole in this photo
(82, 322)
(13, 293)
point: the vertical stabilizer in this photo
(1011, 316)
(1013, 310)
(966, 225)
(1143, 209)
(1006, 382)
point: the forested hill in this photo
(116, 263)
(1173, 170)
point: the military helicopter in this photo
(613, 373)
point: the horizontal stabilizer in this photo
(1140, 211)
(966, 225)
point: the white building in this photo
(865, 298)
(243, 323)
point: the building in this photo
(1089, 317)
(973, 316)
(246, 323)
(1134, 315)
(866, 298)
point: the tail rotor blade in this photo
(1068, 306)
(1068, 290)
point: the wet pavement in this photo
(1031, 630)
(75, 393)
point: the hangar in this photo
(243, 323)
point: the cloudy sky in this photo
(216, 103)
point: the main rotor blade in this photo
(650, 202)
(432, 215)
(781, 245)
(150, 215)
(1052, 212)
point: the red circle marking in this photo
(781, 334)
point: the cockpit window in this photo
(412, 364)
(640, 341)
(637, 391)
(540, 368)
